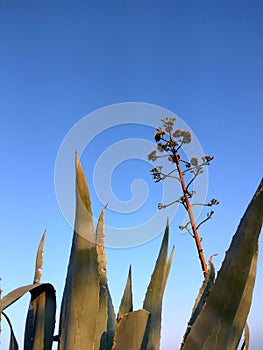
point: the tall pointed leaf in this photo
(244, 307)
(221, 322)
(39, 330)
(39, 259)
(201, 298)
(80, 302)
(13, 344)
(130, 330)
(106, 322)
(83, 220)
(126, 301)
(154, 295)
(101, 331)
(111, 323)
(167, 269)
(31, 325)
(40, 320)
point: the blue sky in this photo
(61, 61)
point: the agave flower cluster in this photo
(169, 141)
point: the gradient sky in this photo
(60, 61)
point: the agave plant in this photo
(87, 317)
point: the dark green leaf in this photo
(17, 293)
(154, 295)
(13, 344)
(111, 324)
(101, 331)
(106, 322)
(43, 319)
(80, 304)
(201, 298)
(221, 322)
(130, 330)
(40, 322)
(126, 301)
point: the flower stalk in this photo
(188, 207)
(169, 147)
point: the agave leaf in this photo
(106, 322)
(83, 220)
(39, 327)
(244, 307)
(130, 330)
(246, 339)
(40, 321)
(111, 323)
(126, 301)
(80, 302)
(13, 344)
(13, 296)
(39, 259)
(221, 322)
(101, 331)
(201, 298)
(167, 269)
(154, 295)
(43, 320)
(17, 293)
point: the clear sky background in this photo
(61, 60)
